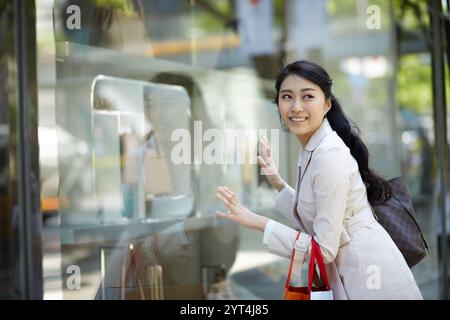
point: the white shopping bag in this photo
(322, 295)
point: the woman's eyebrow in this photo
(307, 89)
(302, 90)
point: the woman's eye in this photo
(285, 96)
(308, 97)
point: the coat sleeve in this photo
(280, 239)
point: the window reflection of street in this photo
(110, 100)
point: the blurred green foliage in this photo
(211, 24)
(411, 14)
(208, 23)
(414, 91)
(414, 76)
(124, 5)
(414, 83)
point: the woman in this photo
(334, 194)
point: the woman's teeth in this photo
(297, 119)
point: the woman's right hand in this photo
(268, 167)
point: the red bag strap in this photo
(288, 280)
(316, 255)
(134, 266)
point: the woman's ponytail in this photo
(377, 188)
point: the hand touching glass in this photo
(239, 213)
(268, 167)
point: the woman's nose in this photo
(297, 105)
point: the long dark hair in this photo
(378, 190)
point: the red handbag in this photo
(322, 292)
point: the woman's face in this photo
(302, 106)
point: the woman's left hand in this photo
(239, 213)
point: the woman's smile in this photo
(297, 119)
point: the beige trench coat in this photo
(362, 260)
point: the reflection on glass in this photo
(132, 172)
(132, 220)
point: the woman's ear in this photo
(327, 105)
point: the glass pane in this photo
(419, 162)
(146, 108)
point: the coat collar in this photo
(315, 139)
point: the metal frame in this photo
(440, 120)
(24, 29)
